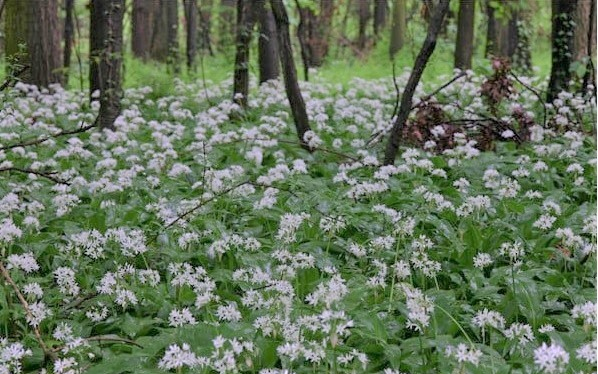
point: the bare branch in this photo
(53, 136)
(46, 175)
(48, 352)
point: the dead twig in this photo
(537, 94)
(45, 139)
(12, 79)
(47, 352)
(46, 175)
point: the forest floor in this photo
(197, 238)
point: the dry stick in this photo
(53, 136)
(196, 207)
(537, 94)
(12, 79)
(418, 69)
(25, 305)
(47, 175)
(436, 91)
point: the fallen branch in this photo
(436, 91)
(537, 94)
(47, 352)
(196, 207)
(53, 136)
(10, 80)
(418, 68)
(46, 175)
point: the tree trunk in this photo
(313, 33)
(563, 29)
(399, 28)
(35, 25)
(380, 10)
(583, 28)
(439, 12)
(590, 74)
(245, 22)
(69, 31)
(268, 46)
(491, 30)
(522, 56)
(191, 20)
(106, 39)
(226, 23)
(165, 46)
(464, 44)
(364, 17)
(205, 23)
(289, 72)
(141, 27)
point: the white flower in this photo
(9, 231)
(228, 313)
(312, 140)
(463, 353)
(587, 311)
(521, 332)
(481, 260)
(490, 318)
(181, 317)
(551, 358)
(176, 357)
(25, 262)
(587, 352)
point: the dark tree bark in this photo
(584, 30)
(245, 23)
(106, 39)
(35, 25)
(563, 27)
(141, 27)
(205, 23)
(364, 14)
(268, 46)
(522, 55)
(490, 31)
(313, 33)
(438, 14)
(590, 74)
(289, 72)
(465, 26)
(380, 11)
(165, 45)
(399, 28)
(226, 22)
(191, 20)
(69, 31)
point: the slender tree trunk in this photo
(364, 17)
(205, 23)
(289, 72)
(226, 24)
(563, 12)
(438, 14)
(16, 33)
(191, 20)
(141, 27)
(313, 33)
(522, 56)
(380, 10)
(268, 46)
(582, 23)
(69, 31)
(464, 44)
(44, 44)
(590, 74)
(34, 25)
(399, 28)
(106, 39)
(245, 22)
(165, 46)
(491, 30)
